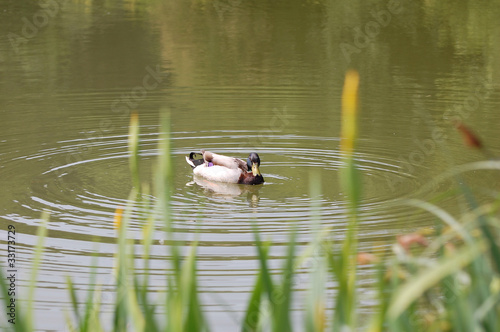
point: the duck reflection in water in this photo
(227, 191)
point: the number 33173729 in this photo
(11, 247)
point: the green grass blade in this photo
(252, 314)
(442, 215)
(122, 260)
(456, 305)
(91, 300)
(194, 319)
(483, 226)
(487, 306)
(174, 307)
(315, 320)
(383, 289)
(283, 296)
(94, 321)
(266, 276)
(74, 299)
(41, 235)
(142, 288)
(414, 288)
(134, 310)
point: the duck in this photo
(216, 167)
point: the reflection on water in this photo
(236, 77)
(226, 191)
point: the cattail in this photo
(118, 217)
(349, 130)
(470, 138)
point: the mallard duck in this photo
(216, 167)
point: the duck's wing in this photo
(225, 161)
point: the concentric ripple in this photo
(82, 181)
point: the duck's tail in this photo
(195, 159)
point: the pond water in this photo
(236, 77)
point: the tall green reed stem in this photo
(344, 267)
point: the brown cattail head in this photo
(470, 138)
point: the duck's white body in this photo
(218, 173)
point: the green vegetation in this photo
(451, 285)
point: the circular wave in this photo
(84, 181)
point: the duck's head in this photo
(253, 163)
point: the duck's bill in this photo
(255, 169)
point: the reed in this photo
(343, 266)
(24, 315)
